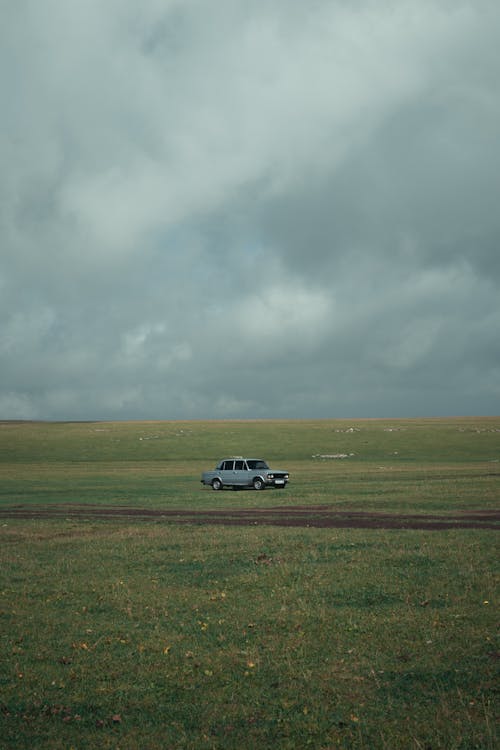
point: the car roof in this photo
(241, 458)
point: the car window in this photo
(239, 465)
(257, 465)
(227, 465)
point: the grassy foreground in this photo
(152, 635)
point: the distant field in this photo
(433, 464)
(135, 611)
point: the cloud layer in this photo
(249, 209)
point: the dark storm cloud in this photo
(249, 209)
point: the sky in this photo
(249, 209)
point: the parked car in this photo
(244, 472)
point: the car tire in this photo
(258, 483)
(216, 484)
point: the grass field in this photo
(124, 633)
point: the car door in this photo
(240, 473)
(227, 472)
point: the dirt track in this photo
(323, 516)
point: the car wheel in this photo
(216, 484)
(258, 484)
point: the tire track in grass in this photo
(323, 516)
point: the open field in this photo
(355, 609)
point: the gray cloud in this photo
(249, 209)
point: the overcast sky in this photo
(246, 208)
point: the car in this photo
(244, 472)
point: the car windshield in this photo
(253, 464)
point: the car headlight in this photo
(270, 476)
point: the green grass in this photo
(116, 634)
(437, 463)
